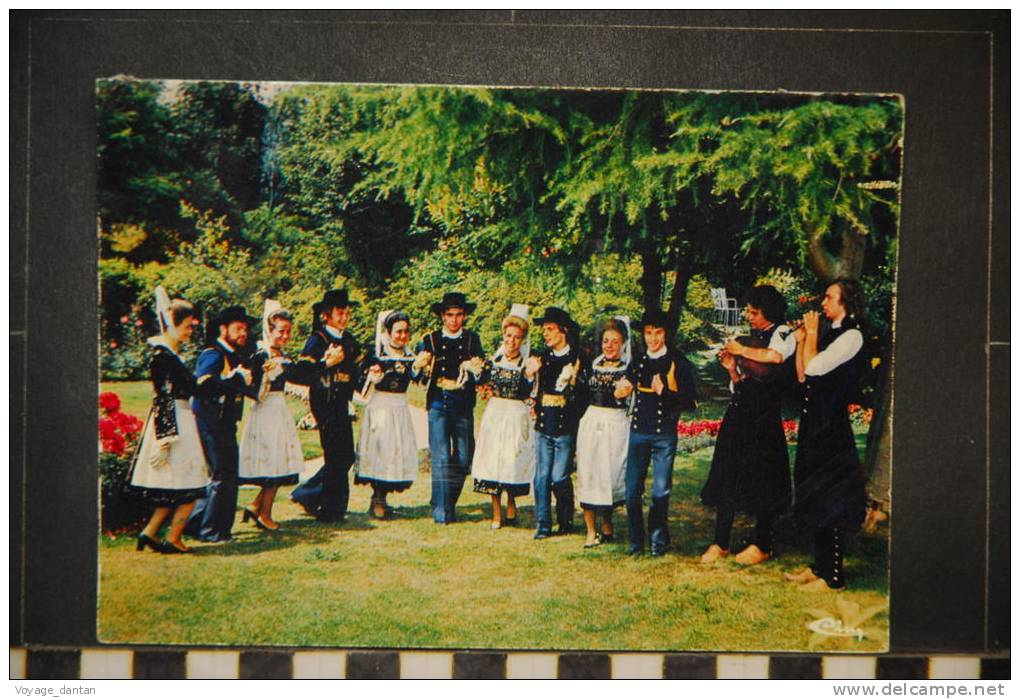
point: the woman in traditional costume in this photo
(604, 431)
(504, 460)
(170, 468)
(270, 450)
(387, 449)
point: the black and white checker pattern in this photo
(169, 663)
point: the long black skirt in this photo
(750, 466)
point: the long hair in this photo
(851, 295)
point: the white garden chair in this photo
(726, 309)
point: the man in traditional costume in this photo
(664, 384)
(221, 383)
(450, 361)
(555, 373)
(328, 365)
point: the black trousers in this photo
(213, 516)
(764, 529)
(326, 494)
(828, 563)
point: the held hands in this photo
(421, 360)
(375, 374)
(473, 365)
(484, 391)
(657, 385)
(244, 373)
(334, 355)
(532, 366)
(623, 389)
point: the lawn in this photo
(411, 583)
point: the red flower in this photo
(109, 401)
(123, 319)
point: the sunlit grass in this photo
(411, 583)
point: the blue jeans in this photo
(552, 474)
(451, 447)
(657, 450)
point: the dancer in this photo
(665, 387)
(555, 373)
(450, 361)
(328, 366)
(604, 431)
(387, 451)
(222, 382)
(169, 468)
(270, 450)
(504, 460)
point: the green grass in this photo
(411, 583)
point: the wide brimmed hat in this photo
(228, 315)
(556, 315)
(233, 314)
(334, 298)
(657, 319)
(453, 299)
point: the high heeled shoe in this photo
(145, 540)
(168, 547)
(249, 514)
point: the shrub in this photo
(121, 508)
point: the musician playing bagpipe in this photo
(750, 466)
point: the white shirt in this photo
(561, 352)
(452, 336)
(338, 334)
(842, 350)
(225, 345)
(656, 355)
(785, 347)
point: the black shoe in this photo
(145, 540)
(167, 547)
(510, 522)
(606, 538)
(658, 551)
(634, 549)
(542, 534)
(593, 544)
(564, 529)
(249, 514)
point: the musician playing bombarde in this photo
(750, 466)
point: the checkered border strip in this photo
(152, 663)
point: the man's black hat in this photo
(558, 316)
(334, 298)
(657, 319)
(228, 315)
(453, 299)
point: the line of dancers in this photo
(611, 417)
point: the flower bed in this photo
(118, 435)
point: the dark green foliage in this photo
(122, 508)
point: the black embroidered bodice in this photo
(507, 381)
(397, 373)
(171, 381)
(600, 384)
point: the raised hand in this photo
(623, 389)
(657, 385)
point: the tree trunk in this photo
(651, 278)
(678, 297)
(829, 267)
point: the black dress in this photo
(750, 465)
(828, 480)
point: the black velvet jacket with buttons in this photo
(448, 353)
(658, 414)
(557, 420)
(329, 388)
